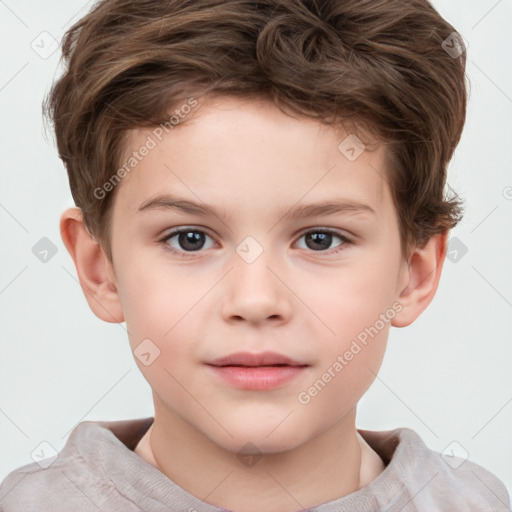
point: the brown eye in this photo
(318, 241)
(186, 240)
(322, 240)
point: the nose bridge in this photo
(254, 292)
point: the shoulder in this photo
(32, 487)
(432, 480)
(76, 478)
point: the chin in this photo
(261, 439)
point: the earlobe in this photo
(94, 271)
(424, 272)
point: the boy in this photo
(258, 131)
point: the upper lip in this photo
(254, 359)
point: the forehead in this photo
(245, 154)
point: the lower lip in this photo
(257, 377)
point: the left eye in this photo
(321, 240)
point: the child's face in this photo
(248, 279)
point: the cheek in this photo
(349, 359)
(350, 299)
(163, 321)
(341, 383)
(356, 309)
(158, 306)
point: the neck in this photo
(333, 464)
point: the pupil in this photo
(191, 240)
(324, 239)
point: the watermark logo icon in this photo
(456, 250)
(454, 455)
(44, 454)
(45, 45)
(146, 352)
(351, 147)
(249, 455)
(44, 250)
(249, 249)
(454, 45)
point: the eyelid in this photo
(320, 229)
(170, 232)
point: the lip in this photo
(254, 359)
(258, 372)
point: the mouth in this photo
(248, 359)
(258, 372)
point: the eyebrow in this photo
(301, 211)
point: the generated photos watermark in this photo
(357, 345)
(150, 144)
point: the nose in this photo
(254, 292)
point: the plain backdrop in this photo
(447, 376)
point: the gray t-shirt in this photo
(97, 470)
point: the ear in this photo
(422, 274)
(95, 272)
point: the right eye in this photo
(185, 240)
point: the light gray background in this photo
(447, 376)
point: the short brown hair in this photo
(381, 64)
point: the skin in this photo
(251, 162)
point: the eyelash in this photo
(185, 254)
